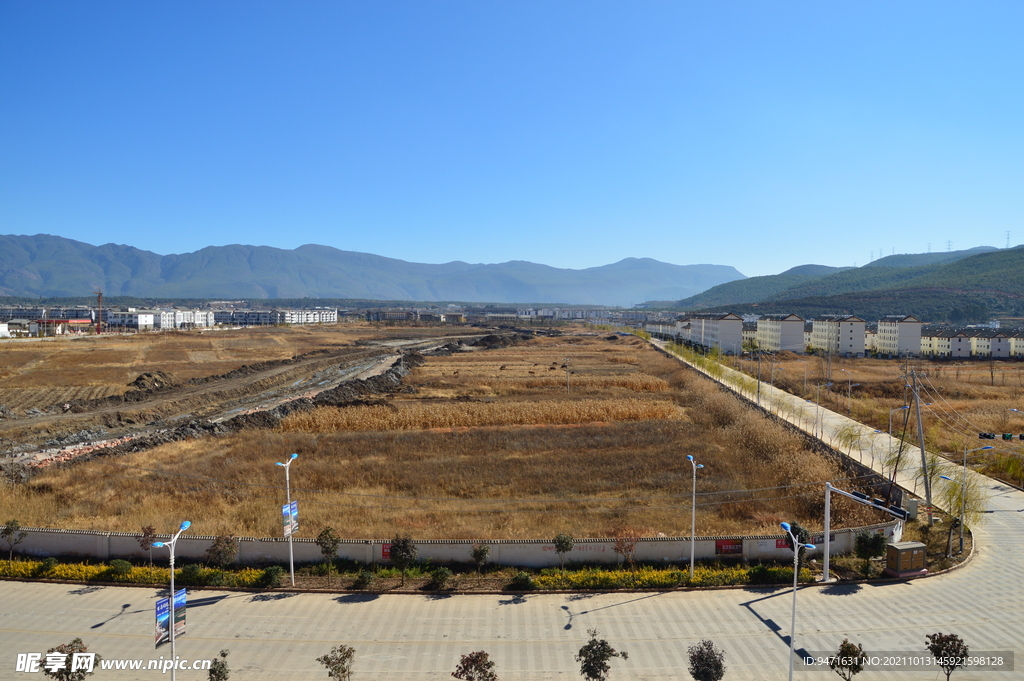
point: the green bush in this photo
(365, 579)
(272, 577)
(190, 575)
(120, 568)
(47, 565)
(439, 577)
(522, 582)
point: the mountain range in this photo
(55, 267)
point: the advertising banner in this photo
(727, 546)
(290, 518)
(163, 635)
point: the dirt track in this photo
(251, 395)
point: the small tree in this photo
(480, 552)
(67, 671)
(339, 662)
(403, 554)
(13, 535)
(868, 545)
(146, 540)
(594, 656)
(563, 545)
(476, 667)
(849, 661)
(707, 663)
(626, 547)
(219, 668)
(328, 543)
(223, 551)
(950, 647)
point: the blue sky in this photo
(760, 135)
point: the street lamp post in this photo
(170, 614)
(796, 566)
(905, 406)
(693, 508)
(288, 496)
(850, 385)
(817, 411)
(963, 490)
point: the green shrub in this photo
(190, 575)
(522, 582)
(440, 577)
(119, 568)
(272, 577)
(365, 579)
(47, 565)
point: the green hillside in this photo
(754, 289)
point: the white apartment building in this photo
(131, 319)
(839, 335)
(723, 331)
(776, 332)
(898, 336)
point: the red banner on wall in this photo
(726, 546)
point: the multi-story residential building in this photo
(131, 319)
(776, 332)
(898, 336)
(716, 330)
(839, 335)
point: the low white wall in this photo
(518, 552)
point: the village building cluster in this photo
(841, 335)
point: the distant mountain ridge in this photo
(806, 281)
(52, 266)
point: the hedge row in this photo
(121, 571)
(645, 577)
(651, 578)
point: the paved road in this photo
(534, 637)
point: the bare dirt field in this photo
(480, 442)
(54, 388)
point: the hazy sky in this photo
(760, 135)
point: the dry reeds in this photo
(417, 416)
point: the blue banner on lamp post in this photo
(290, 518)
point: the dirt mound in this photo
(153, 380)
(495, 342)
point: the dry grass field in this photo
(961, 399)
(489, 445)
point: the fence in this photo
(535, 553)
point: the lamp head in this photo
(689, 457)
(278, 463)
(294, 456)
(987, 447)
(700, 465)
(945, 477)
(159, 544)
(810, 547)
(185, 525)
(785, 526)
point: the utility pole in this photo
(759, 378)
(99, 314)
(924, 456)
(567, 375)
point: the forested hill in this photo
(975, 288)
(754, 289)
